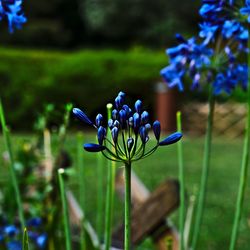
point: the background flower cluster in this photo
(218, 54)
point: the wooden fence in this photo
(229, 119)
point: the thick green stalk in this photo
(81, 175)
(110, 194)
(182, 184)
(65, 209)
(205, 171)
(127, 231)
(244, 169)
(13, 177)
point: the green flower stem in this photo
(100, 195)
(127, 231)
(110, 194)
(65, 209)
(80, 168)
(205, 170)
(182, 184)
(13, 177)
(244, 169)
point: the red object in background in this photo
(166, 107)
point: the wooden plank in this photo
(147, 217)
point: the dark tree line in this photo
(92, 23)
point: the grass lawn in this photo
(221, 193)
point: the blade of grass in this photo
(188, 221)
(65, 209)
(13, 177)
(80, 168)
(25, 240)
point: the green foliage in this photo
(87, 78)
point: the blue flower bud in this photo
(118, 102)
(157, 130)
(148, 127)
(138, 106)
(143, 134)
(114, 133)
(122, 94)
(130, 143)
(101, 133)
(122, 116)
(144, 117)
(137, 122)
(171, 139)
(98, 120)
(91, 147)
(131, 121)
(41, 241)
(82, 116)
(116, 124)
(114, 114)
(126, 109)
(110, 123)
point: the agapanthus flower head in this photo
(128, 132)
(12, 11)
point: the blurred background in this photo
(69, 50)
(85, 52)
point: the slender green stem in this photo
(80, 168)
(205, 171)
(100, 195)
(110, 194)
(244, 170)
(65, 209)
(182, 184)
(127, 231)
(13, 177)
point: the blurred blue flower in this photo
(246, 10)
(12, 10)
(11, 235)
(14, 245)
(129, 133)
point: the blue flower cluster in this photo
(129, 132)
(224, 23)
(10, 235)
(12, 11)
